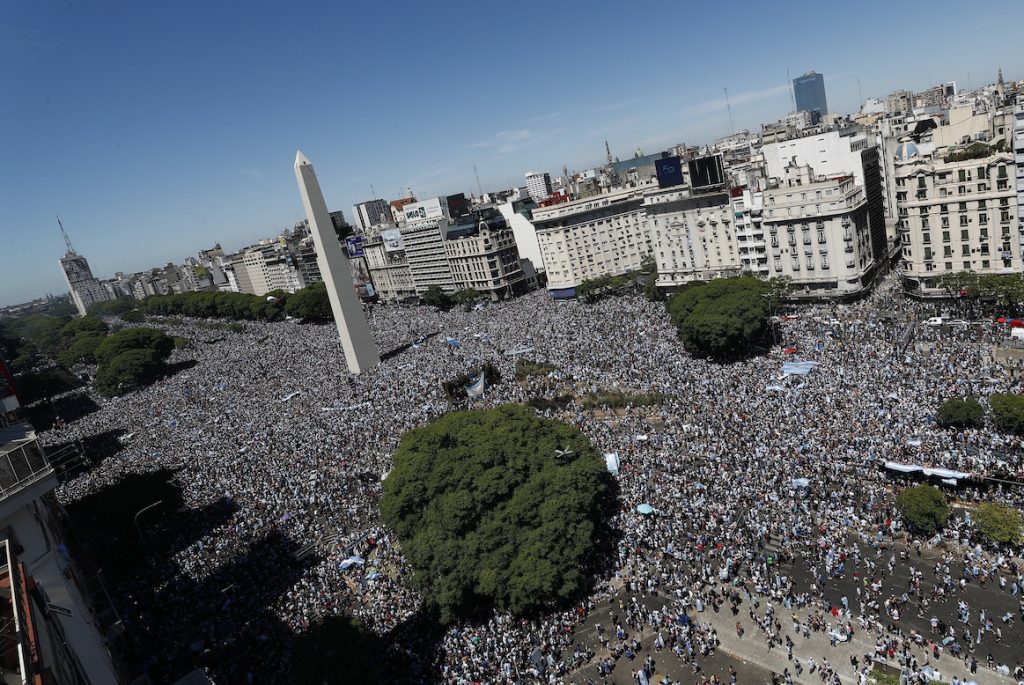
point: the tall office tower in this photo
(809, 91)
(85, 289)
(356, 340)
(538, 185)
(372, 213)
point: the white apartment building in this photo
(269, 269)
(748, 210)
(692, 235)
(1018, 151)
(389, 271)
(426, 255)
(956, 216)
(525, 235)
(828, 153)
(538, 185)
(486, 260)
(591, 237)
(818, 233)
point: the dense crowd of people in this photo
(269, 421)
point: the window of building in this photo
(945, 236)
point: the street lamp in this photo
(139, 513)
(771, 324)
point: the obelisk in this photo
(356, 340)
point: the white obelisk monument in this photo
(356, 341)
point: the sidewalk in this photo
(753, 648)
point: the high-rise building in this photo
(372, 213)
(538, 185)
(50, 627)
(819, 233)
(604, 235)
(956, 215)
(85, 288)
(482, 255)
(809, 91)
(692, 235)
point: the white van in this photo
(936, 321)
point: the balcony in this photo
(22, 462)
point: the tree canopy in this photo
(722, 318)
(1008, 412)
(310, 304)
(435, 296)
(135, 338)
(498, 508)
(923, 507)
(220, 305)
(961, 412)
(999, 523)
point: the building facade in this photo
(692, 235)
(538, 185)
(956, 216)
(592, 237)
(50, 630)
(426, 256)
(389, 270)
(818, 234)
(85, 289)
(482, 255)
(371, 214)
(809, 92)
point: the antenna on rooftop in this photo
(373, 193)
(478, 186)
(608, 152)
(789, 87)
(860, 94)
(67, 241)
(729, 108)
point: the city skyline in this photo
(195, 150)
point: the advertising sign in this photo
(354, 246)
(393, 241)
(669, 171)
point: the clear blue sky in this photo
(156, 129)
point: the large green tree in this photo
(498, 508)
(128, 371)
(435, 296)
(999, 522)
(132, 339)
(311, 304)
(722, 318)
(923, 507)
(1008, 412)
(961, 412)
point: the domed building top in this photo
(906, 150)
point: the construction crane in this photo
(67, 241)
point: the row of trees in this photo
(925, 509)
(435, 296)
(968, 412)
(309, 304)
(976, 294)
